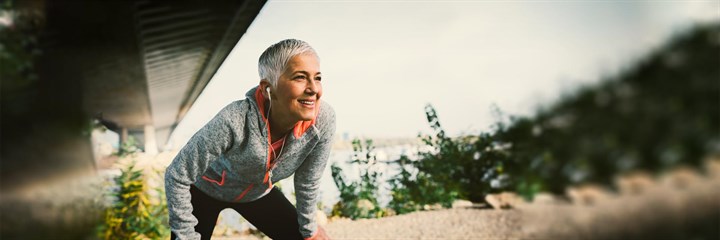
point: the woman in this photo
(281, 128)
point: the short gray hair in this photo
(274, 59)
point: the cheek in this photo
(288, 96)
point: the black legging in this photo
(272, 214)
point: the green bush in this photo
(358, 199)
(405, 190)
(128, 147)
(455, 168)
(134, 215)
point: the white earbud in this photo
(268, 91)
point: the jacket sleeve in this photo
(307, 180)
(191, 162)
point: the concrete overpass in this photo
(145, 63)
(136, 65)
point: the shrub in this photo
(135, 215)
(455, 168)
(358, 199)
(128, 147)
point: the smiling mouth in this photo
(307, 103)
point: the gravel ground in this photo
(662, 211)
(468, 223)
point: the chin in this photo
(306, 117)
(301, 117)
(305, 114)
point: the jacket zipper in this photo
(268, 174)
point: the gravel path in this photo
(468, 223)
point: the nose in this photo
(312, 87)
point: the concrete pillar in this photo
(123, 136)
(150, 142)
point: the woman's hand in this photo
(320, 235)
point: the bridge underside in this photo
(137, 66)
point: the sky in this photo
(383, 61)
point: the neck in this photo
(279, 126)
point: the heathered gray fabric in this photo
(235, 142)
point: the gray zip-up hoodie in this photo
(228, 160)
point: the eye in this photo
(318, 78)
(299, 77)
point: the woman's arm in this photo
(307, 178)
(190, 163)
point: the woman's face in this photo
(298, 89)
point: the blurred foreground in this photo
(74, 207)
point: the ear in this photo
(264, 84)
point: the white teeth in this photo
(308, 102)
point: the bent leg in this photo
(273, 215)
(206, 209)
